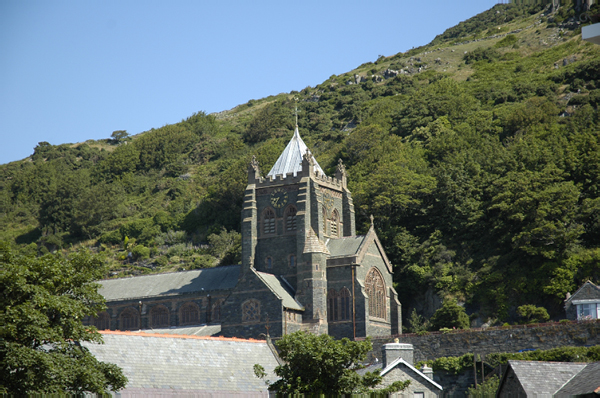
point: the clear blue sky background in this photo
(77, 70)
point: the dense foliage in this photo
(322, 365)
(42, 304)
(482, 170)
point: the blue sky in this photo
(77, 70)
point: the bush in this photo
(203, 261)
(532, 314)
(110, 238)
(140, 252)
(451, 315)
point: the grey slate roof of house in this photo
(160, 365)
(290, 160)
(219, 278)
(344, 246)
(544, 377)
(282, 289)
(587, 291)
(585, 382)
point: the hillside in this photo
(478, 155)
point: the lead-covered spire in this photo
(290, 160)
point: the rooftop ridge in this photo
(177, 336)
(168, 273)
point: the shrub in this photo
(451, 315)
(532, 314)
(140, 252)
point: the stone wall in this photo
(503, 339)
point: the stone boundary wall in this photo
(499, 339)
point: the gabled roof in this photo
(585, 382)
(219, 278)
(401, 363)
(346, 246)
(407, 368)
(281, 289)
(290, 160)
(542, 377)
(162, 365)
(587, 291)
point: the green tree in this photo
(119, 135)
(42, 304)
(319, 364)
(451, 315)
(226, 247)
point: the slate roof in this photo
(219, 278)
(290, 160)
(282, 289)
(401, 363)
(585, 382)
(587, 292)
(544, 377)
(344, 246)
(161, 365)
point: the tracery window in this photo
(269, 221)
(102, 322)
(251, 311)
(129, 319)
(190, 314)
(375, 287)
(290, 219)
(159, 316)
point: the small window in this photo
(419, 395)
(269, 262)
(292, 260)
(216, 312)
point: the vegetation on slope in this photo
(479, 159)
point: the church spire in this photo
(290, 160)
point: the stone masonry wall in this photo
(485, 341)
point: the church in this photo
(303, 268)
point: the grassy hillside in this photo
(478, 155)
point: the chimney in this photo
(392, 351)
(427, 371)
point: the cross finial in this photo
(296, 99)
(372, 219)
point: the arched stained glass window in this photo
(269, 221)
(338, 305)
(375, 287)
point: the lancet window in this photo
(334, 223)
(290, 219)
(216, 312)
(375, 287)
(269, 221)
(338, 305)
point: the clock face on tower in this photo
(279, 197)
